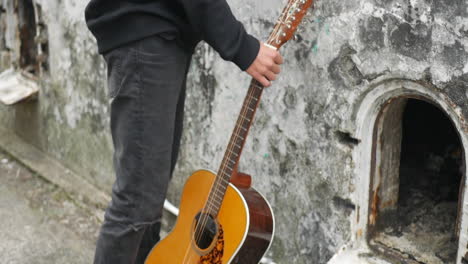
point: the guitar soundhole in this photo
(206, 230)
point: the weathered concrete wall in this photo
(70, 118)
(299, 152)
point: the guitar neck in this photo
(234, 149)
(284, 29)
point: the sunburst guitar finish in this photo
(244, 227)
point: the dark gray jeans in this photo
(146, 81)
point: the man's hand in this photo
(265, 67)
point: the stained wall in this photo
(299, 150)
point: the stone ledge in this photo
(51, 170)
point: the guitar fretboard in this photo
(234, 149)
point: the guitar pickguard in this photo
(216, 255)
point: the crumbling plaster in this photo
(71, 112)
(300, 150)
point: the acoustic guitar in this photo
(222, 218)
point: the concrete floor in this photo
(39, 223)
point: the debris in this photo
(16, 86)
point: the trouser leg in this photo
(151, 234)
(146, 79)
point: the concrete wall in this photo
(299, 151)
(70, 118)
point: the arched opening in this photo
(416, 191)
(33, 44)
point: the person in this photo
(147, 45)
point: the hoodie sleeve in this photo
(214, 21)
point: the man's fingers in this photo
(264, 81)
(276, 69)
(265, 67)
(270, 76)
(278, 58)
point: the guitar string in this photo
(253, 94)
(202, 224)
(237, 130)
(218, 182)
(222, 171)
(204, 221)
(233, 142)
(231, 146)
(215, 188)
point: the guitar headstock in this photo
(288, 22)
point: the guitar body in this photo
(243, 228)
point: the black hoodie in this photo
(117, 22)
